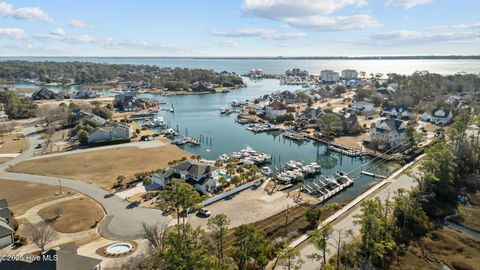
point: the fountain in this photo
(118, 249)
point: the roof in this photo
(441, 113)
(194, 168)
(277, 105)
(398, 108)
(5, 213)
(3, 203)
(392, 125)
(5, 228)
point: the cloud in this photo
(280, 9)
(406, 4)
(457, 26)
(60, 35)
(24, 13)
(112, 43)
(15, 33)
(227, 44)
(334, 23)
(75, 23)
(311, 14)
(268, 34)
(416, 37)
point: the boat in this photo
(223, 110)
(266, 171)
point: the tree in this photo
(250, 247)
(82, 136)
(328, 123)
(178, 197)
(313, 216)
(103, 112)
(320, 241)
(339, 90)
(185, 251)
(41, 235)
(155, 234)
(57, 211)
(218, 227)
(290, 257)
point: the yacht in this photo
(266, 171)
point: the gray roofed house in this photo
(387, 133)
(44, 93)
(5, 212)
(441, 117)
(109, 132)
(198, 174)
(398, 111)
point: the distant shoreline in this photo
(420, 57)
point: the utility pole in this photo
(286, 220)
(60, 185)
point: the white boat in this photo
(266, 171)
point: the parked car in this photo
(38, 146)
(205, 212)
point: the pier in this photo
(329, 189)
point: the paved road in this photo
(122, 222)
(346, 223)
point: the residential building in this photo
(44, 93)
(85, 117)
(5, 212)
(109, 132)
(275, 108)
(329, 76)
(360, 107)
(288, 97)
(387, 133)
(203, 177)
(349, 74)
(441, 117)
(454, 101)
(312, 113)
(297, 72)
(398, 111)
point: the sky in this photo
(239, 27)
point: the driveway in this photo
(123, 220)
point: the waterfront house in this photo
(311, 113)
(349, 74)
(360, 107)
(441, 117)
(349, 125)
(43, 94)
(387, 134)
(203, 177)
(110, 132)
(329, 76)
(86, 117)
(275, 108)
(256, 73)
(398, 111)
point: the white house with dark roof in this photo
(398, 111)
(203, 177)
(441, 117)
(360, 107)
(388, 133)
(275, 108)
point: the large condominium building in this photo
(329, 76)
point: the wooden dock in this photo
(373, 175)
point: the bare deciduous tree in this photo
(57, 211)
(41, 234)
(155, 234)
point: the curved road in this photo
(122, 221)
